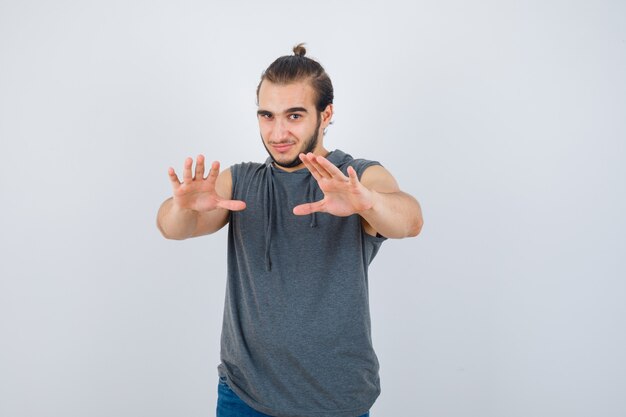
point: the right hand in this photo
(199, 193)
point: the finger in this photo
(330, 168)
(213, 173)
(233, 205)
(308, 208)
(307, 163)
(199, 167)
(173, 178)
(316, 165)
(354, 178)
(187, 170)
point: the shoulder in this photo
(244, 175)
(343, 160)
(370, 172)
(224, 183)
(243, 168)
(376, 177)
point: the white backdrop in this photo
(505, 119)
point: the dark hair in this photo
(292, 68)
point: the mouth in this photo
(282, 147)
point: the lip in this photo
(282, 147)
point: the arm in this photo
(199, 205)
(376, 198)
(393, 213)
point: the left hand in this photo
(343, 196)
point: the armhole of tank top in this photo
(371, 238)
(362, 165)
(234, 174)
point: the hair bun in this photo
(299, 49)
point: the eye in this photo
(295, 116)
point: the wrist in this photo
(175, 222)
(372, 204)
(178, 209)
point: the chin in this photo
(288, 161)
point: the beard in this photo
(308, 146)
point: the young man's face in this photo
(289, 122)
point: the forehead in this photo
(277, 97)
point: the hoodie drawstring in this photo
(270, 213)
(310, 193)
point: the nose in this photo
(279, 131)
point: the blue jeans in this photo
(230, 405)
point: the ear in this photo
(327, 115)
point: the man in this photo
(303, 228)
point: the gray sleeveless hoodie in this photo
(296, 336)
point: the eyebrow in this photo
(289, 110)
(296, 109)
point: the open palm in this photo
(343, 196)
(199, 193)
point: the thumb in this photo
(308, 208)
(233, 205)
